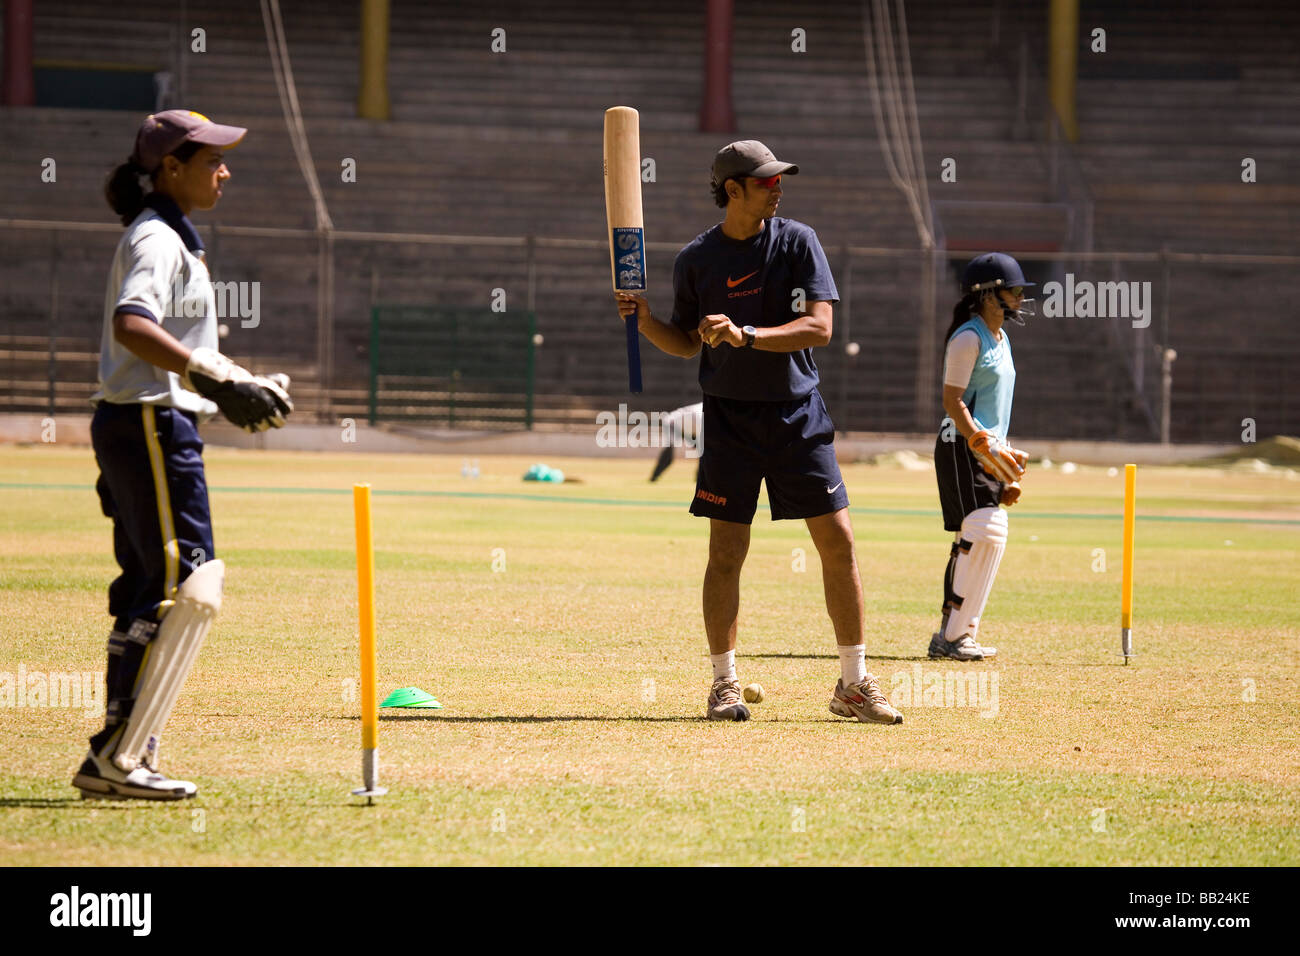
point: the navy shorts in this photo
(790, 445)
(964, 486)
(151, 483)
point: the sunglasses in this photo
(768, 183)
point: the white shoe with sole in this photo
(101, 780)
(965, 648)
(724, 701)
(863, 701)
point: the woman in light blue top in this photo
(976, 469)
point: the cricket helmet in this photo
(993, 270)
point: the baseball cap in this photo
(161, 133)
(748, 157)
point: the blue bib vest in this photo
(992, 381)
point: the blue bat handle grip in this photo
(633, 355)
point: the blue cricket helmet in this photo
(993, 270)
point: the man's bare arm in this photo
(663, 335)
(810, 330)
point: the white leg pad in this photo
(171, 655)
(986, 530)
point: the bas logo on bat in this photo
(623, 217)
(630, 263)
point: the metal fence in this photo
(1194, 347)
(471, 368)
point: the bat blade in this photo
(623, 213)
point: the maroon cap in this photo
(161, 133)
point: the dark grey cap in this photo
(748, 157)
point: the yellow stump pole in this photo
(1126, 586)
(366, 603)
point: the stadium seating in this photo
(483, 144)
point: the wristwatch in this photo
(750, 332)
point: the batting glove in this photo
(252, 402)
(1001, 461)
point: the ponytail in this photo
(961, 314)
(123, 191)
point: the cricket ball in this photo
(753, 693)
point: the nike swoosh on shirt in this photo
(732, 283)
(830, 490)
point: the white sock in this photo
(853, 663)
(724, 665)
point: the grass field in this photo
(573, 676)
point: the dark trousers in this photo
(964, 486)
(151, 483)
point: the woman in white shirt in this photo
(160, 374)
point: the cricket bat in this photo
(623, 213)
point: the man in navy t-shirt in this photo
(756, 292)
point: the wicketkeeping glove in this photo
(1003, 462)
(1010, 493)
(253, 402)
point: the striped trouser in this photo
(151, 483)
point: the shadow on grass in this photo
(579, 718)
(63, 803)
(830, 657)
(1116, 663)
(924, 658)
(534, 719)
(552, 719)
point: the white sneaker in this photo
(101, 780)
(965, 648)
(863, 701)
(724, 701)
